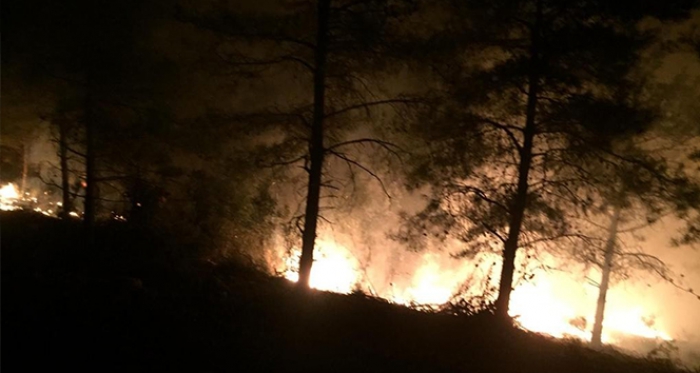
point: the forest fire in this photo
(428, 286)
(11, 199)
(550, 304)
(9, 196)
(336, 269)
(333, 270)
(539, 307)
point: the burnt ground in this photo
(135, 303)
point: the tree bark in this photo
(518, 204)
(65, 182)
(90, 187)
(596, 338)
(25, 170)
(316, 149)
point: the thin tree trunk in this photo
(316, 150)
(25, 169)
(519, 203)
(596, 338)
(65, 182)
(90, 191)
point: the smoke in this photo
(360, 214)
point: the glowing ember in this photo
(39, 210)
(9, 195)
(118, 217)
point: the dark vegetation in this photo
(139, 304)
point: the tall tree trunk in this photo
(316, 150)
(596, 338)
(65, 182)
(519, 202)
(25, 169)
(90, 188)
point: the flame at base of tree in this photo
(549, 303)
(334, 268)
(541, 307)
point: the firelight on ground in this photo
(541, 305)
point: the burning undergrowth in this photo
(361, 255)
(44, 202)
(552, 296)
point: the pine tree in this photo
(534, 87)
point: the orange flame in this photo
(548, 304)
(334, 268)
(9, 196)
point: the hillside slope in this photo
(133, 303)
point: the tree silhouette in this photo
(631, 193)
(334, 46)
(542, 85)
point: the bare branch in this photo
(324, 219)
(75, 151)
(329, 186)
(493, 232)
(367, 105)
(388, 146)
(363, 168)
(286, 162)
(248, 61)
(53, 184)
(579, 236)
(482, 195)
(643, 225)
(505, 128)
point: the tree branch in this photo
(506, 128)
(482, 195)
(363, 168)
(493, 232)
(248, 61)
(580, 236)
(367, 105)
(286, 162)
(388, 146)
